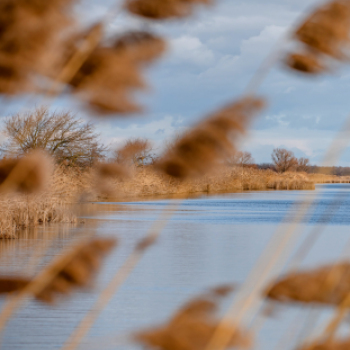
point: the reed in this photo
(208, 143)
(74, 268)
(328, 179)
(148, 182)
(163, 9)
(324, 285)
(52, 205)
(192, 326)
(342, 344)
(111, 180)
(105, 75)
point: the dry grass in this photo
(163, 9)
(30, 33)
(325, 285)
(207, 144)
(192, 326)
(20, 211)
(106, 76)
(147, 181)
(328, 179)
(328, 345)
(111, 73)
(77, 272)
(325, 32)
(111, 180)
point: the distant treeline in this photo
(314, 169)
(334, 170)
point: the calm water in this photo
(210, 240)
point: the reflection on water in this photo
(210, 240)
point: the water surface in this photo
(210, 240)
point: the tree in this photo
(283, 160)
(69, 140)
(303, 164)
(241, 158)
(135, 151)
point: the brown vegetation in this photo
(328, 179)
(210, 142)
(51, 205)
(27, 174)
(137, 152)
(324, 33)
(147, 181)
(192, 327)
(114, 180)
(67, 139)
(35, 51)
(79, 269)
(326, 285)
(30, 40)
(112, 72)
(284, 160)
(66, 274)
(333, 344)
(162, 9)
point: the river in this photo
(210, 240)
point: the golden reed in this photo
(210, 142)
(67, 274)
(323, 35)
(192, 326)
(163, 9)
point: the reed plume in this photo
(111, 170)
(106, 173)
(324, 34)
(325, 285)
(78, 272)
(210, 142)
(328, 345)
(191, 327)
(134, 152)
(305, 62)
(139, 46)
(30, 38)
(222, 290)
(163, 9)
(112, 72)
(27, 174)
(12, 284)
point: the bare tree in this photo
(283, 160)
(240, 158)
(303, 164)
(135, 151)
(67, 139)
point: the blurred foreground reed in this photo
(104, 75)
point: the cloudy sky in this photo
(211, 58)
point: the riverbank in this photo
(71, 186)
(328, 179)
(53, 205)
(147, 182)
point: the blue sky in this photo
(210, 60)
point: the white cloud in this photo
(306, 141)
(115, 136)
(189, 49)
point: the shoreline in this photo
(74, 187)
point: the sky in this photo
(210, 60)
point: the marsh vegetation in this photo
(51, 161)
